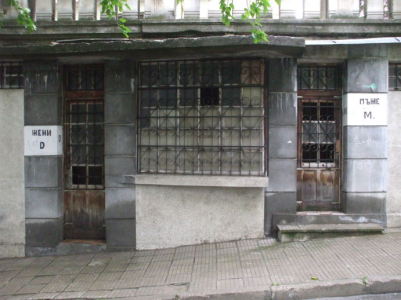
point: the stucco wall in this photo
(170, 216)
(12, 199)
(393, 206)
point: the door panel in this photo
(84, 214)
(319, 152)
(84, 197)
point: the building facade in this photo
(188, 132)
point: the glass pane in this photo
(309, 152)
(95, 134)
(309, 111)
(231, 72)
(78, 113)
(95, 112)
(78, 154)
(231, 96)
(78, 175)
(95, 175)
(78, 134)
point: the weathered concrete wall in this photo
(12, 201)
(120, 154)
(365, 153)
(281, 196)
(170, 216)
(43, 174)
(393, 207)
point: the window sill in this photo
(204, 180)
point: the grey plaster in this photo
(120, 140)
(367, 75)
(364, 203)
(365, 175)
(43, 171)
(120, 203)
(120, 171)
(365, 141)
(368, 51)
(282, 142)
(119, 77)
(169, 216)
(43, 232)
(282, 108)
(12, 202)
(393, 205)
(282, 175)
(282, 75)
(42, 110)
(278, 203)
(120, 233)
(43, 203)
(41, 77)
(120, 108)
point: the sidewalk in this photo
(247, 269)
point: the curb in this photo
(322, 289)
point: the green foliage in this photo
(24, 17)
(114, 8)
(252, 14)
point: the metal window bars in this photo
(319, 78)
(202, 117)
(11, 75)
(395, 77)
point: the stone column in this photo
(120, 154)
(43, 174)
(282, 124)
(365, 132)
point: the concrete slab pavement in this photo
(246, 269)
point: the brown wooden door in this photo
(319, 152)
(84, 198)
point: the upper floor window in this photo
(202, 117)
(11, 75)
(394, 77)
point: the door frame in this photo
(321, 94)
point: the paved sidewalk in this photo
(262, 267)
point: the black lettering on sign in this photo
(42, 145)
(34, 132)
(367, 115)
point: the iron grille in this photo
(84, 128)
(11, 75)
(202, 117)
(319, 132)
(319, 78)
(84, 78)
(395, 77)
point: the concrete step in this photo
(299, 232)
(69, 247)
(329, 217)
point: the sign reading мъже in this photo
(365, 109)
(43, 140)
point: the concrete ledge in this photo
(199, 180)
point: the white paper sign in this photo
(365, 109)
(43, 140)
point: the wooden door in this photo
(319, 152)
(84, 198)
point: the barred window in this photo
(11, 75)
(394, 77)
(319, 78)
(202, 117)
